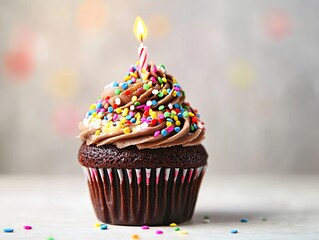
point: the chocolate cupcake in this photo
(141, 151)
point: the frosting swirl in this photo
(146, 109)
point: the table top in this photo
(276, 207)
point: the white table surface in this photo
(60, 207)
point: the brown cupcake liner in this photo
(151, 196)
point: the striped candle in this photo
(142, 55)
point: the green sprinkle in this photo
(192, 128)
(185, 114)
(177, 229)
(166, 114)
(50, 238)
(162, 66)
(146, 86)
(137, 104)
(161, 107)
(160, 80)
(117, 91)
(160, 94)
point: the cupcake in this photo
(141, 152)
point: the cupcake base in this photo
(144, 196)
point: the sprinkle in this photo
(166, 114)
(97, 225)
(173, 225)
(117, 91)
(178, 123)
(146, 86)
(97, 132)
(145, 227)
(50, 238)
(182, 232)
(191, 114)
(27, 227)
(168, 123)
(244, 220)
(157, 133)
(110, 109)
(115, 84)
(160, 94)
(118, 101)
(103, 227)
(185, 114)
(8, 230)
(164, 132)
(170, 106)
(99, 105)
(127, 92)
(206, 220)
(234, 231)
(161, 107)
(177, 129)
(154, 102)
(177, 229)
(92, 107)
(134, 98)
(159, 232)
(135, 236)
(155, 91)
(126, 130)
(153, 115)
(132, 107)
(149, 103)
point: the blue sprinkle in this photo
(169, 90)
(115, 84)
(90, 112)
(124, 86)
(128, 117)
(178, 94)
(129, 81)
(110, 109)
(8, 230)
(195, 126)
(99, 105)
(179, 115)
(244, 220)
(133, 120)
(177, 129)
(103, 227)
(164, 132)
(154, 102)
(149, 118)
(234, 231)
(105, 118)
(176, 105)
(198, 115)
(169, 119)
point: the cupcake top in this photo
(147, 109)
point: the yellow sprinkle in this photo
(175, 118)
(126, 130)
(138, 122)
(97, 225)
(135, 236)
(191, 114)
(118, 110)
(182, 232)
(150, 111)
(92, 107)
(143, 70)
(150, 83)
(127, 78)
(97, 132)
(137, 115)
(173, 225)
(134, 98)
(174, 80)
(104, 129)
(177, 123)
(164, 80)
(168, 124)
(153, 115)
(174, 94)
(123, 120)
(137, 63)
(164, 91)
(133, 74)
(97, 116)
(94, 114)
(125, 112)
(109, 124)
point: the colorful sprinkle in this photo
(177, 229)
(164, 132)
(233, 231)
(50, 238)
(97, 225)
(8, 230)
(182, 232)
(157, 133)
(244, 220)
(117, 91)
(103, 227)
(27, 227)
(135, 236)
(145, 227)
(159, 232)
(126, 130)
(173, 225)
(115, 84)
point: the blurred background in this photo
(249, 67)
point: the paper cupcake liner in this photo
(152, 196)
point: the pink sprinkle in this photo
(159, 232)
(133, 79)
(154, 69)
(102, 110)
(131, 114)
(157, 133)
(141, 106)
(27, 227)
(170, 129)
(161, 116)
(146, 108)
(145, 227)
(115, 117)
(153, 79)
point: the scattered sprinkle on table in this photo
(234, 231)
(159, 232)
(145, 227)
(206, 219)
(173, 225)
(8, 230)
(177, 229)
(135, 236)
(97, 225)
(182, 232)
(244, 220)
(50, 238)
(27, 227)
(103, 227)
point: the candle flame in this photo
(140, 29)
